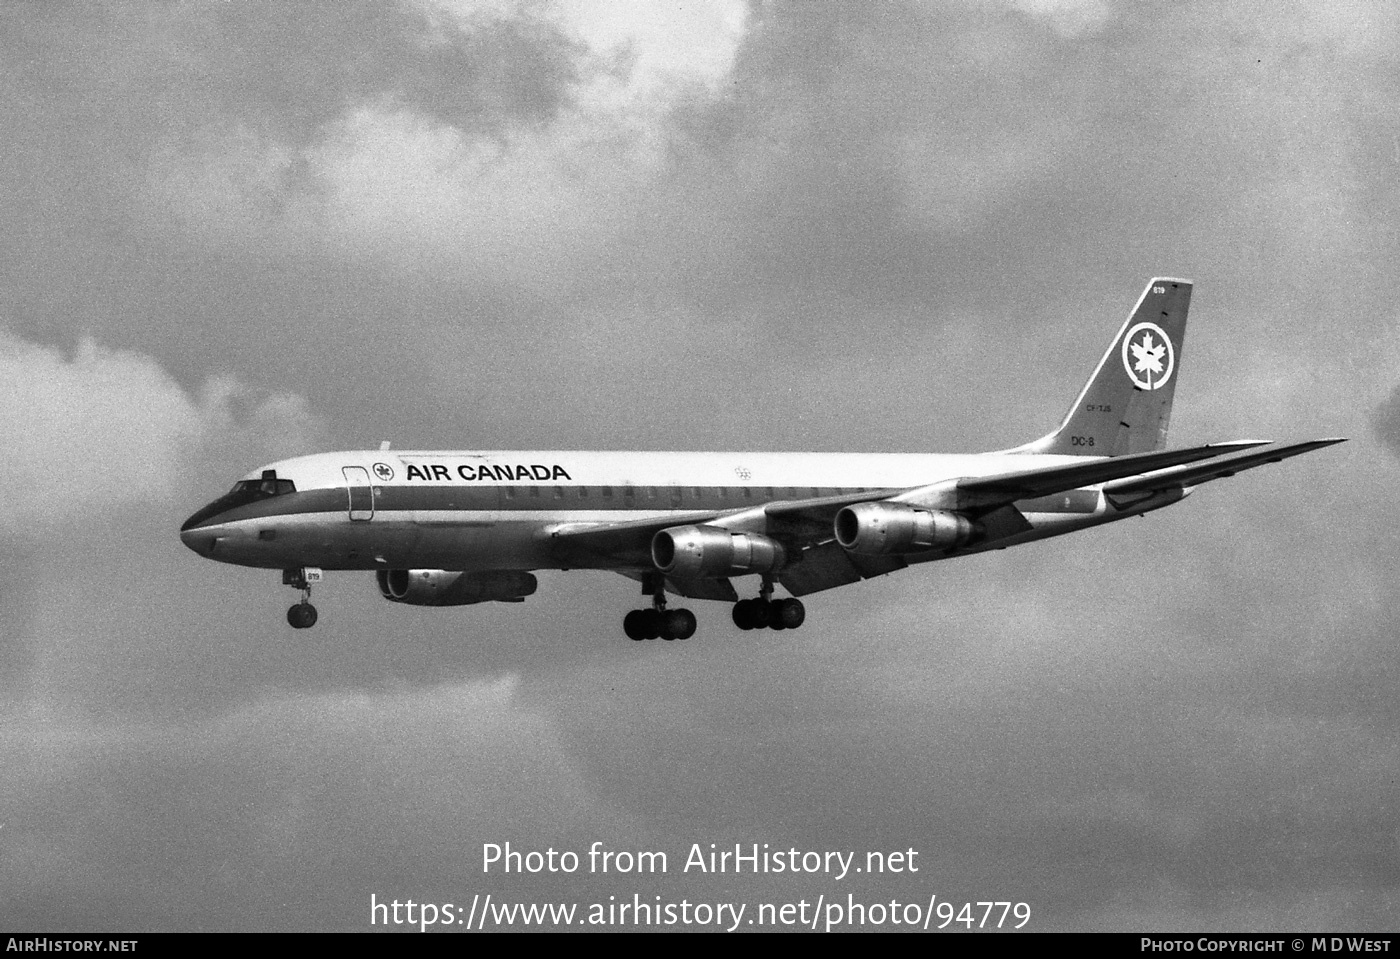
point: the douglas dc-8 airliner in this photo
(453, 528)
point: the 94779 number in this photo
(993, 914)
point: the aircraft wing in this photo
(1123, 491)
(610, 545)
(997, 490)
(607, 545)
(805, 526)
(824, 564)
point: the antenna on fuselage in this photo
(383, 445)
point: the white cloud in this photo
(104, 429)
(1069, 18)
(97, 820)
(388, 180)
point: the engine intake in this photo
(688, 552)
(874, 529)
(441, 587)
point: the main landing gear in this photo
(302, 615)
(658, 622)
(765, 611)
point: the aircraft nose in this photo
(200, 532)
(202, 541)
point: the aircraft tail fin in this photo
(1127, 403)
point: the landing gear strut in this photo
(658, 621)
(302, 615)
(765, 611)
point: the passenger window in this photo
(583, 492)
(535, 491)
(651, 492)
(558, 492)
(748, 492)
(607, 492)
(510, 492)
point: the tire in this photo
(761, 614)
(742, 618)
(680, 624)
(791, 613)
(632, 625)
(650, 623)
(301, 616)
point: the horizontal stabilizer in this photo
(1122, 490)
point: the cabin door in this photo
(361, 493)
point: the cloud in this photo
(1385, 422)
(106, 430)
(236, 234)
(157, 825)
(1069, 18)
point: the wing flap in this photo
(1121, 492)
(828, 566)
(718, 589)
(978, 493)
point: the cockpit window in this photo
(243, 493)
(262, 488)
(250, 491)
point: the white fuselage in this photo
(456, 510)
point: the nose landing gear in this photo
(302, 615)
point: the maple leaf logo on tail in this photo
(1152, 359)
(1149, 357)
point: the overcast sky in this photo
(236, 231)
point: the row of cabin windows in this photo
(679, 494)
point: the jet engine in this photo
(441, 587)
(688, 552)
(872, 529)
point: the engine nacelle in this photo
(442, 587)
(873, 529)
(688, 552)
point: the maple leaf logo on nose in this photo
(1149, 357)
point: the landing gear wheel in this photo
(632, 625)
(753, 614)
(789, 612)
(302, 616)
(650, 623)
(678, 624)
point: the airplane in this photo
(455, 528)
